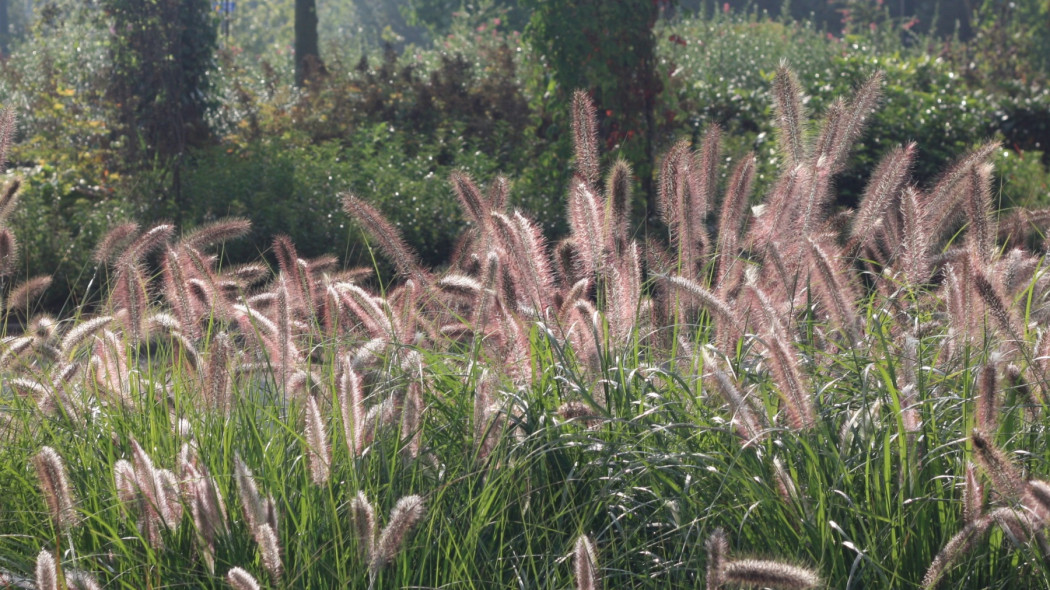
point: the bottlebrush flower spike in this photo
(851, 124)
(962, 542)
(831, 282)
(915, 259)
(987, 397)
(269, 550)
(363, 517)
(46, 571)
(717, 546)
(217, 389)
(972, 495)
(205, 503)
(387, 238)
(790, 116)
(351, 406)
(24, 295)
(252, 504)
(241, 579)
(217, 232)
(981, 235)
(585, 559)
(944, 197)
(772, 574)
(412, 416)
(403, 518)
(51, 471)
(672, 202)
(618, 205)
(798, 403)
(475, 205)
(1006, 478)
(115, 241)
(8, 252)
(499, 191)
(318, 454)
(585, 222)
(883, 187)
(750, 424)
(708, 300)
(731, 218)
(77, 580)
(585, 137)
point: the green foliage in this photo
(1013, 40)
(440, 16)
(56, 82)
(1023, 179)
(295, 192)
(608, 49)
(393, 131)
(161, 52)
(59, 220)
(717, 71)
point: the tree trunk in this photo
(307, 54)
(5, 29)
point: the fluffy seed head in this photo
(586, 560)
(25, 294)
(957, 545)
(51, 471)
(318, 454)
(46, 571)
(987, 406)
(972, 495)
(8, 251)
(9, 198)
(363, 516)
(251, 500)
(216, 232)
(406, 513)
(717, 546)
(762, 573)
(1006, 478)
(790, 116)
(77, 580)
(1037, 498)
(241, 579)
(386, 236)
(270, 550)
(115, 241)
(585, 136)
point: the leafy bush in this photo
(56, 83)
(390, 128)
(718, 71)
(294, 191)
(59, 220)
